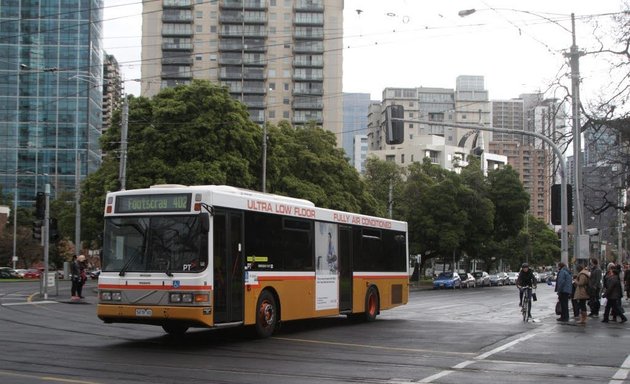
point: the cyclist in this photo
(526, 279)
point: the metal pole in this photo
(574, 61)
(77, 203)
(264, 157)
(46, 239)
(123, 144)
(15, 205)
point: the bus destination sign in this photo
(172, 202)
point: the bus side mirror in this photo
(204, 221)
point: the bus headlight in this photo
(175, 298)
(111, 296)
(106, 296)
(116, 296)
(187, 297)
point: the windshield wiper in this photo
(168, 273)
(127, 264)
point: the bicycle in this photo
(526, 302)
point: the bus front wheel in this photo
(174, 329)
(266, 314)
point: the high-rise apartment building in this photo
(51, 96)
(112, 89)
(282, 58)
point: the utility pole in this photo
(46, 239)
(122, 173)
(578, 220)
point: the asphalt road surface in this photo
(472, 335)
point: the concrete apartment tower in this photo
(282, 58)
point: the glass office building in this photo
(50, 95)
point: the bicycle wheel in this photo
(526, 305)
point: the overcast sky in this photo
(411, 43)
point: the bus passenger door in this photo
(345, 269)
(228, 266)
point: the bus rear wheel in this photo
(174, 329)
(266, 314)
(371, 304)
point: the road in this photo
(464, 336)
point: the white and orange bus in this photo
(214, 256)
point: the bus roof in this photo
(228, 196)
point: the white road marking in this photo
(29, 303)
(483, 356)
(622, 372)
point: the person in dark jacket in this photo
(613, 295)
(78, 276)
(564, 288)
(525, 279)
(595, 288)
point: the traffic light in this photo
(395, 124)
(40, 205)
(53, 232)
(37, 229)
(556, 204)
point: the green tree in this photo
(510, 200)
(379, 175)
(305, 162)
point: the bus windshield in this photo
(154, 244)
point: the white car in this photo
(512, 276)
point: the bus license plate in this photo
(142, 312)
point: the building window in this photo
(272, 73)
(285, 114)
(213, 14)
(272, 86)
(272, 30)
(272, 3)
(402, 158)
(412, 158)
(410, 114)
(285, 101)
(213, 57)
(198, 57)
(286, 86)
(390, 158)
(198, 14)
(198, 28)
(272, 114)
(213, 28)
(410, 125)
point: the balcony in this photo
(308, 103)
(172, 46)
(177, 3)
(307, 89)
(177, 60)
(177, 29)
(309, 18)
(315, 75)
(244, 4)
(255, 45)
(309, 61)
(176, 72)
(238, 31)
(308, 47)
(236, 17)
(177, 16)
(308, 33)
(235, 73)
(309, 5)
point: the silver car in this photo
(482, 279)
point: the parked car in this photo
(21, 272)
(447, 280)
(497, 279)
(537, 277)
(467, 280)
(482, 279)
(5, 274)
(511, 278)
(32, 274)
(12, 273)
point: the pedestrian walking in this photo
(613, 295)
(564, 286)
(581, 292)
(595, 288)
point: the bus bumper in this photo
(156, 315)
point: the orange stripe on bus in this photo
(381, 277)
(277, 278)
(156, 287)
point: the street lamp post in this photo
(574, 61)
